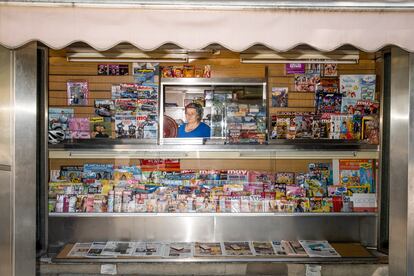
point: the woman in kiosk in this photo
(194, 127)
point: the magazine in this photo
(316, 248)
(294, 248)
(279, 96)
(71, 174)
(262, 248)
(279, 249)
(126, 126)
(145, 73)
(306, 82)
(370, 129)
(126, 106)
(361, 87)
(59, 119)
(79, 250)
(330, 70)
(148, 249)
(287, 178)
(99, 128)
(179, 250)
(79, 128)
(96, 249)
(77, 92)
(104, 108)
(357, 175)
(328, 85)
(208, 249)
(237, 249)
(328, 103)
(118, 249)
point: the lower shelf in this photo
(365, 214)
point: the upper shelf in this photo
(278, 149)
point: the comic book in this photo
(370, 129)
(303, 127)
(104, 108)
(306, 82)
(319, 249)
(79, 128)
(208, 249)
(125, 126)
(77, 92)
(328, 102)
(366, 107)
(328, 85)
(179, 250)
(367, 83)
(99, 128)
(148, 249)
(350, 86)
(279, 96)
(350, 127)
(59, 120)
(357, 175)
(282, 127)
(79, 250)
(237, 249)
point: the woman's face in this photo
(191, 115)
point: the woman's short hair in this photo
(197, 107)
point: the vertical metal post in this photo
(401, 164)
(18, 149)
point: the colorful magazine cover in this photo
(124, 91)
(370, 129)
(306, 82)
(367, 83)
(100, 128)
(287, 178)
(79, 250)
(303, 126)
(98, 171)
(71, 174)
(262, 248)
(348, 106)
(314, 68)
(328, 103)
(148, 249)
(279, 96)
(59, 119)
(350, 86)
(146, 73)
(104, 108)
(208, 249)
(126, 126)
(147, 105)
(126, 106)
(320, 205)
(330, 70)
(237, 249)
(79, 128)
(78, 92)
(316, 248)
(357, 175)
(328, 85)
(179, 250)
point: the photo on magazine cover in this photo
(279, 96)
(59, 120)
(208, 249)
(77, 92)
(262, 248)
(237, 249)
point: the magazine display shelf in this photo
(88, 215)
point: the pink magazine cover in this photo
(80, 128)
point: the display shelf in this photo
(360, 214)
(282, 150)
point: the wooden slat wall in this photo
(225, 65)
